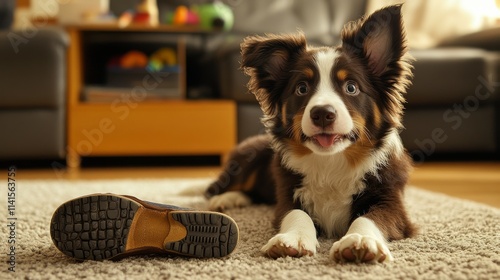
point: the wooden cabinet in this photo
(130, 125)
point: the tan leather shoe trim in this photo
(177, 231)
(151, 228)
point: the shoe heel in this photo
(93, 227)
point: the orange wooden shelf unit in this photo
(127, 128)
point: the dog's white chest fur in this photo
(330, 183)
(328, 187)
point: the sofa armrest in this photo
(33, 68)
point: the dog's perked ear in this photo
(378, 39)
(267, 61)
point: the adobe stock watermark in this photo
(11, 224)
(454, 118)
(121, 107)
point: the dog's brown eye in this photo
(351, 88)
(302, 88)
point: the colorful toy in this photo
(134, 59)
(216, 15)
(162, 58)
(125, 19)
(180, 16)
(146, 12)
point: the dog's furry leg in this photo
(297, 237)
(246, 176)
(364, 242)
(229, 200)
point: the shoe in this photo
(108, 226)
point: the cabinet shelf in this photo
(124, 126)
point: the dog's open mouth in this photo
(327, 140)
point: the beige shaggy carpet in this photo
(458, 240)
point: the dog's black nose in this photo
(323, 116)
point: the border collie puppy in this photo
(332, 159)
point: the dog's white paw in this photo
(290, 244)
(228, 200)
(355, 247)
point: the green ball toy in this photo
(215, 16)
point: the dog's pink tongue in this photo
(325, 140)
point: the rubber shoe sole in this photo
(107, 226)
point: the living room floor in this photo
(476, 181)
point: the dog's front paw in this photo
(290, 244)
(358, 248)
(228, 200)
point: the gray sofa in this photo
(452, 107)
(33, 94)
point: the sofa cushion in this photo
(33, 134)
(249, 121)
(440, 130)
(33, 68)
(450, 75)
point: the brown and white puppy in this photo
(332, 160)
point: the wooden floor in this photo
(479, 182)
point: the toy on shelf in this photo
(159, 73)
(163, 59)
(146, 12)
(213, 16)
(133, 59)
(183, 16)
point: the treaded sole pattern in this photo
(208, 235)
(93, 227)
(96, 227)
